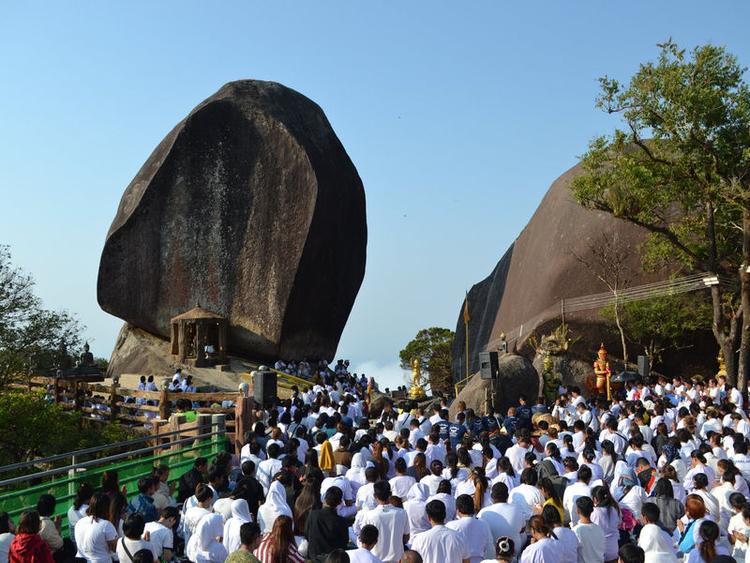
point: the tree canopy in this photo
(31, 336)
(680, 168)
(432, 347)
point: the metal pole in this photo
(71, 475)
(466, 330)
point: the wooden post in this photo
(244, 416)
(77, 394)
(164, 404)
(57, 390)
(113, 409)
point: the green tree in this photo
(31, 337)
(663, 323)
(680, 168)
(33, 427)
(432, 347)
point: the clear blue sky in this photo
(458, 116)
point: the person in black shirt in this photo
(325, 529)
(523, 412)
(443, 426)
(249, 488)
(190, 480)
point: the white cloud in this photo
(386, 375)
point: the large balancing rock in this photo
(251, 208)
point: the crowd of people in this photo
(659, 474)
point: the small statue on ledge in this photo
(416, 391)
(602, 372)
(87, 358)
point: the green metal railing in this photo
(21, 493)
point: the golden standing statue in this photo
(602, 372)
(416, 391)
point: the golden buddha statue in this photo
(416, 391)
(602, 372)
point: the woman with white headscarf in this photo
(274, 507)
(205, 544)
(414, 506)
(240, 515)
(356, 474)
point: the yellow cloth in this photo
(326, 457)
(557, 506)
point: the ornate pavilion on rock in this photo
(199, 337)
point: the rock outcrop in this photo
(516, 377)
(252, 208)
(539, 270)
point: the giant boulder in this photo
(251, 208)
(540, 269)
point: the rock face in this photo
(516, 377)
(251, 208)
(539, 270)
(572, 371)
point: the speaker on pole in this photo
(643, 368)
(264, 387)
(489, 366)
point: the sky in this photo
(457, 115)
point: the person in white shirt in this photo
(655, 542)
(269, 467)
(435, 477)
(476, 532)
(401, 483)
(392, 524)
(503, 518)
(131, 541)
(440, 544)
(160, 533)
(542, 548)
(416, 432)
(415, 507)
(575, 491)
(590, 536)
(517, 452)
(526, 495)
(567, 539)
(698, 463)
(96, 537)
(368, 537)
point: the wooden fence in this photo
(76, 394)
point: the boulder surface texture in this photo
(541, 268)
(251, 208)
(516, 377)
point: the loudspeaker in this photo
(488, 365)
(643, 369)
(264, 388)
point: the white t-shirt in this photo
(440, 545)
(736, 524)
(160, 536)
(5, 540)
(361, 555)
(478, 537)
(133, 547)
(92, 537)
(590, 543)
(695, 554)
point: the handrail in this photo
(86, 451)
(293, 378)
(93, 462)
